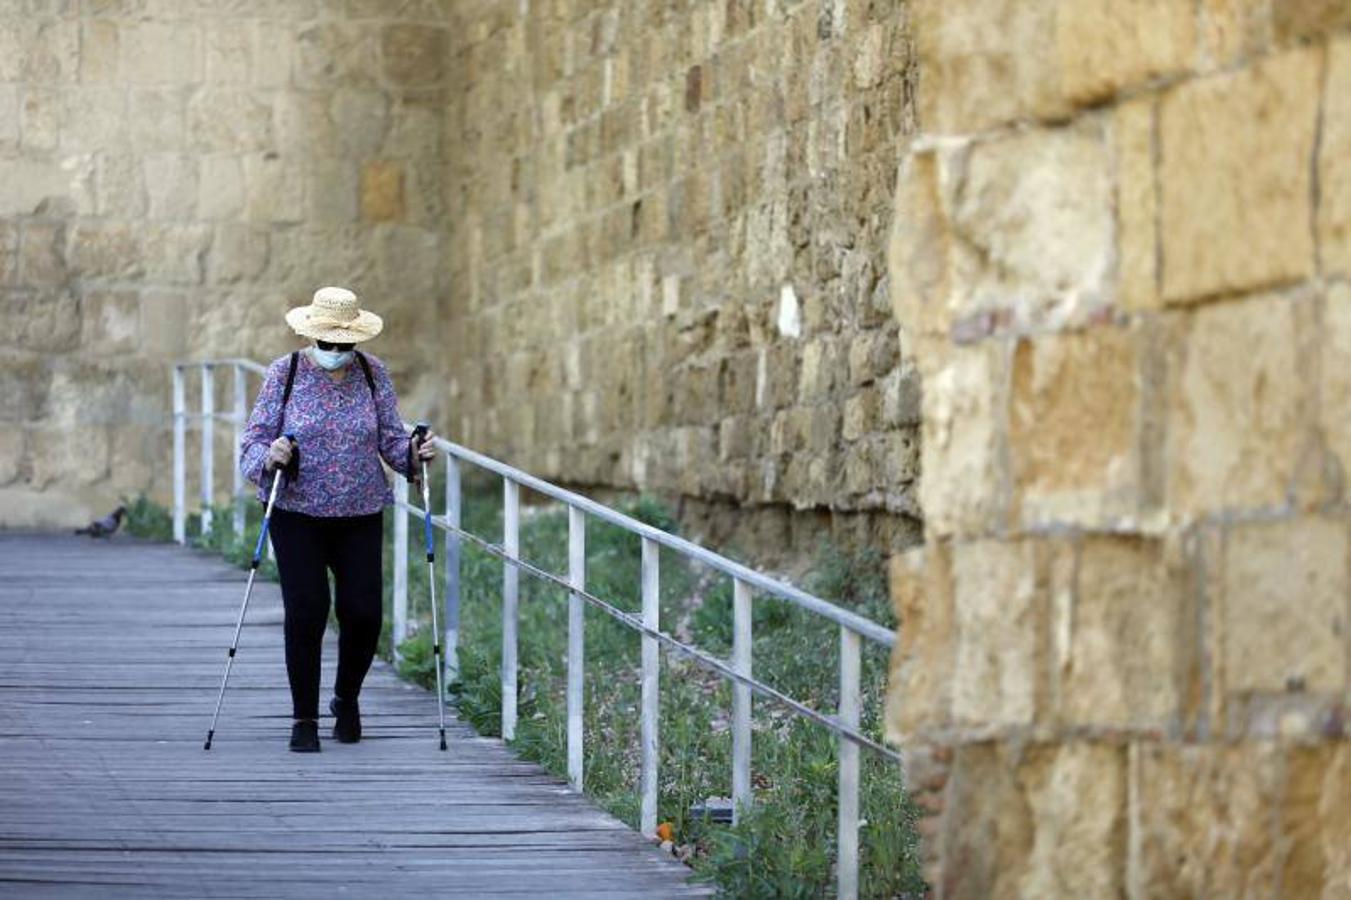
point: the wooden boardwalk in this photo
(110, 657)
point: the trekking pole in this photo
(420, 432)
(248, 589)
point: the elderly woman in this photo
(341, 407)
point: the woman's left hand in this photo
(425, 449)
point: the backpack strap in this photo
(370, 382)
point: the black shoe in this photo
(305, 736)
(347, 727)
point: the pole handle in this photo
(419, 434)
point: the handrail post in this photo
(850, 700)
(208, 444)
(511, 545)
(237, 476)
(576, 643)
(180, 458)
(651, 700)
(741, 699)
(400, 601)
(452, 553)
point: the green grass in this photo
(785, 846)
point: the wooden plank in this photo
(109, 661)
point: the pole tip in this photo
(443, 740)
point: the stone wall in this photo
(1124, 266)
(175, 175)
(668, 255)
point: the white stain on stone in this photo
(790, 313)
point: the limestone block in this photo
(304, 125)
(95, 118)
(901, 397)
(9, 253)
(361, 121)
(1133, 137)
(51, 51)
(157, 117)
(42, 256)
(107, 250)
(223, 119)
(998, 616)
(1237, 407)
(382, 192)
(275, 189)
(1235, 212)
(413, 55)
(1074, 422)
(1315, 824)
(9, 116)
(964, 489)
(920, 681)
(1036, 215)
(56, 459)
(1233, 29)
(1335, 393)
(1293, 19)
(45, 321)
(12, 454)
(1204, 820)
(1049, 822)
(1107, 45)
(238, 253)
(135, 454)
(171, 184)
(1284, 612)
(24, 380)
(40, 118)
(861, 413)
(1122, 637)
(220, 186)
(164, 318)
(228, 51)
(920, 249)
(1334, 163)
(334, 54)
(121, 186)
(174, 253)
(99, 51)
(160, 53)
(111, 322)
(331, 191)
(273, 48)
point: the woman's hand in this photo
(425, 449)
(278, 454)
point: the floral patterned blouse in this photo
(335, 424)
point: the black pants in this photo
(308, 547)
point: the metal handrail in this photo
(853, 627)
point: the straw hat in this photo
(333, 316)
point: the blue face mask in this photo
(331, 359)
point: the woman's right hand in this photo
(278, 453)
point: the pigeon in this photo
(106, 526)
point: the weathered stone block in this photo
(360, 121)
(95, 118)
(1035, 215)
(964, 489)
(111, 322)
(238, 253)
(1294, 19)
(1203, 820)
(1107, 45)
(42, 257)
(1284, 609)
(174, 253)
(1334, 163)
(50, 51)
(43, 321)
(1237, 406)
(1074, 422)
(220, 186)
(1314, 822)
(276, 189)
(229, 120)
(861, 413)
(228, 51)
(998, 615)
(171, 185)
(9, 253)
(920, 250)
(334, 54)
(413, 55)
(99, 51)
(920, 683)
(107, 250)
(55, 458)
(382, 193)
(1232, 29)
(1125, 641)
(160, 53)
(164, 323)
(12, 454)
(157, 117)
(40, 118)
(1235, 213)
(1335, 390)
(1134, 136)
